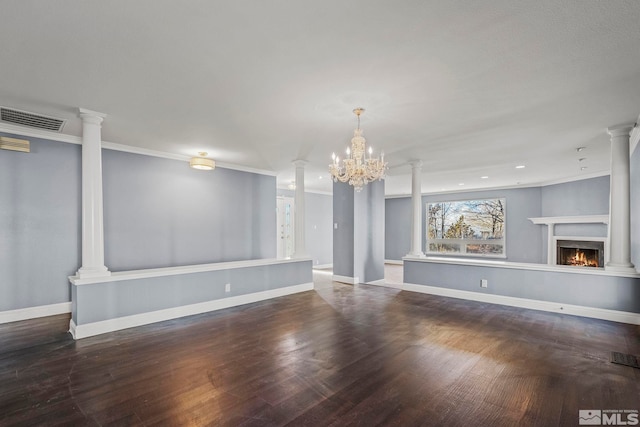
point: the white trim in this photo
(554, 307)
(96, 328)
(185, 269)
(634, 137)
(346, 279)
(180, 157)
(577, 219)
(553, 246)
(385, 284)
(323, 266)
(582, 177)
(34, 312)
(38, 133)
(306, 190)
(524, 266)
(72, 139)
(393, 261)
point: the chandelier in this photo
(357, 168)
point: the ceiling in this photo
(470, 88)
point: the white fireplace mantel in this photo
(578, 219)
(551, 221)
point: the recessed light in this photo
(582, 159)
(484, 177)
(520, 167)
(462, 183)
(320, 177)
(583, 168)
(579, 149)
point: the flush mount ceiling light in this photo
(357, 169)
(202, 163)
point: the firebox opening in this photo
(580, 254)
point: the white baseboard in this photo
(554, 307)
(323, 266)
(34, 312)
(346, 279)
(96, 328)
(385, 284)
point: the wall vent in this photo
(24, 118)
(14, 144)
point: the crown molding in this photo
(38, 133)
(635, 136)
(71, 139)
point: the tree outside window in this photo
(473, 227)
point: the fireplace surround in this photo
(561, 248)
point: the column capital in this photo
(415, 163)
(620, 130)
(90, 116)
(299, 163)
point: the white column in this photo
(416, 212)
(619, 202)
(300, 249)
(92, 223)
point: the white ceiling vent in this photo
(24, 118)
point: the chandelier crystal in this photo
(357, 169)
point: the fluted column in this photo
(619, 202)
(416, 212)
(300, 249)
(92, 221)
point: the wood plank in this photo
(339, 355)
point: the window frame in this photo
(464, 242)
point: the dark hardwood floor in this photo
(339, 355)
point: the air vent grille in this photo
(24, 118)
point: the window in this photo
(471, 227)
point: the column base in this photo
(621, 268)
(85, 273)
(416, 255)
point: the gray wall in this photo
(358, 250)
(397, 226)
(318, 210)
(635, 208)
(525, 242)
(369, 214)
(39, 223)
(161, 213)
(343, 237)
(584, 197)
(110, 300)
(523, 238)
(589, 290)
(157, 213)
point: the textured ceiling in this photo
(471, 88)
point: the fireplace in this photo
(580, 253)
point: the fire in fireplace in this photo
(580, 253)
